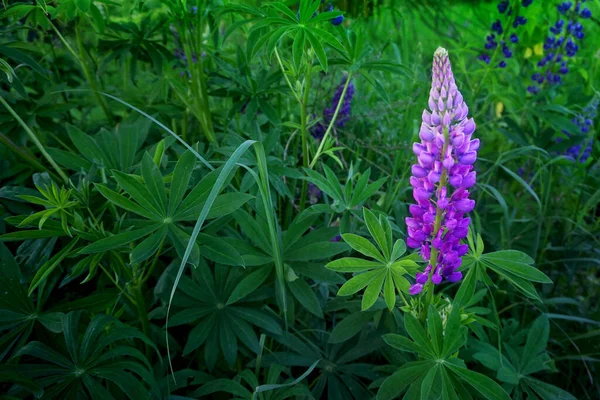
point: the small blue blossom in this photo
(497, 27)
(586, 13)
(506, 51)
(503, 6)
(564, 7)
(583, 149)
(337, 20)
(485, 58)
(502, 64)
(514, 38)
(520, 20)
(526, 3)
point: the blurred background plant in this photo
(244, 138)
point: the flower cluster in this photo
(441, 179)
(584, 122)
(560, 45)
(497, 33)
(314, 193)
(318, 130)
(337, 20)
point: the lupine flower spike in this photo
(560, 45)
(318, 130)
(581, 151)
(441, 179)
(500, 35)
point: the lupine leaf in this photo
(363, 246)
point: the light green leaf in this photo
(358, 282)
(373, 290)
(377, 232)
(351, 264)
(517, 263)
(363, 246)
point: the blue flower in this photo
(564, 7)
(526, 3)
(497, 27)
(503, 6)
(514, 38)
(485, 58)
(586, 13)
(520, 20)
(337, 20)
(502, 64)
(318, 130)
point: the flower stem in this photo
(436, 228)
(86, 71)
(35, 140)
(304, 134)
(332, 122)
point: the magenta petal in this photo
(412, 243)
(416, 289)
(454, 277)
(418, 171)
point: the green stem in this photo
(286, 77)
(436, 228)
(154, 262)
(84, 67)
(19, 152)
(198, 87)
(35, 140)
(114, 282)
(335, 114)
(304, 132)
(143, 314)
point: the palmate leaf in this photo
(87, 362)
(514, 266)
(222, 303)
(438, 345)
(386, 273)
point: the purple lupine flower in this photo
(314, 193)
(561, 45)
(441, 179)
(344, 113)
(318, 130)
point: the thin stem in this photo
(35, 140)
(86, 71)
(331, 123)
(154, 262)
(436, 228)
(21, 153)
(304, 132)
(286, 77)
(116, 284)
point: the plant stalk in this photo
(35, 140)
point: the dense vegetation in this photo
(299, 199)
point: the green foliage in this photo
(139, 137)
(386, 273)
